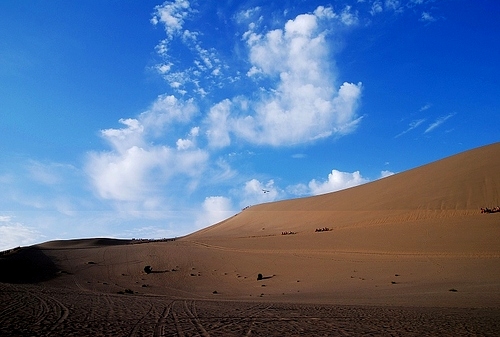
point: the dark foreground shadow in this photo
(26, 265)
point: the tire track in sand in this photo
(159, 328)
(135, 329)
(193, 316)
(43, 311)
(62, 312)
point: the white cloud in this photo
(215, 209)
(136, 169)
(337, 180)
(385, 173)
(255, 192)
(413, 125)
(438, 122)
(148, 232)
(425, 107)
(427, 17)
(218, 128)
(298, 190)
(303, 104)
(171, 15)
(204, 63)
(15, 234)
(392, 5)
(48, 173)
(348, 18)
(190, 142)
(376, 8)
(325, 12)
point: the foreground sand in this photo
(410, 254)
(40, 311)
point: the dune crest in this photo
(453, 187)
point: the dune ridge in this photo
(454, 187)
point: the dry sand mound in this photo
(417, 238)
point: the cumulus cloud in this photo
(256, 192)
(337, 180)
(172, 16)
(136, 168)
(386, 173)
(215, 209)
(302, 104)
(190, 142)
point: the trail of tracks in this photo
(27, 310)
(312, 252)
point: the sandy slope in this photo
(416, 238)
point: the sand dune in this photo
(415, 239)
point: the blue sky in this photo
(149, 119)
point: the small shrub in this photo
(259, 277)
(148, 269)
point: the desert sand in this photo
(410, 254)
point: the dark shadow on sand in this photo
(27, 265)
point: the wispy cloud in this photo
(205, 63)
(425, 107)
(438, 122)
(214, 209)
(427, 17)
(14, 233)
(377, 7)
(413, 125)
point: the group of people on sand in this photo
(324, 229)
(490, 210)
(135, 241)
